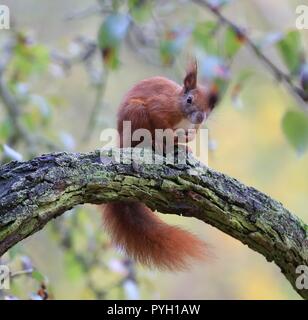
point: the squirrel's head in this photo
(197, 101)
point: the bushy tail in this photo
(148, 240)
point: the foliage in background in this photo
(141, 26)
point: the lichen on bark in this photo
(36, 191)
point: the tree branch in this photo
(34, 192)
(299, 94)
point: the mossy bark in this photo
(34, 192)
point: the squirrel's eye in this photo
(189, 100)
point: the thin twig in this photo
(87, 52)
(279, 75)
(100, 92)
(21, 273)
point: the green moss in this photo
(170, 185)
(128, 180)
(28, 227)
(304, 226)
(9, 229)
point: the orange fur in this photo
(147, 239)
(155, 103)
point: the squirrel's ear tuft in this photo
(213, 97)
(190, 80)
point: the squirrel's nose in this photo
(199, 117)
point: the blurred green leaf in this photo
(113, 30)
(5, 130)
(232, 43)
(110, 36)
(203, 36)
(290, 48)
(140, 9)
(74, 269)
(40, 56)
(171, 45)
(30, 59)
(111, 57)
(295, 127)
(30, 120)
(38, 276)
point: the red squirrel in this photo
(158, 103)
